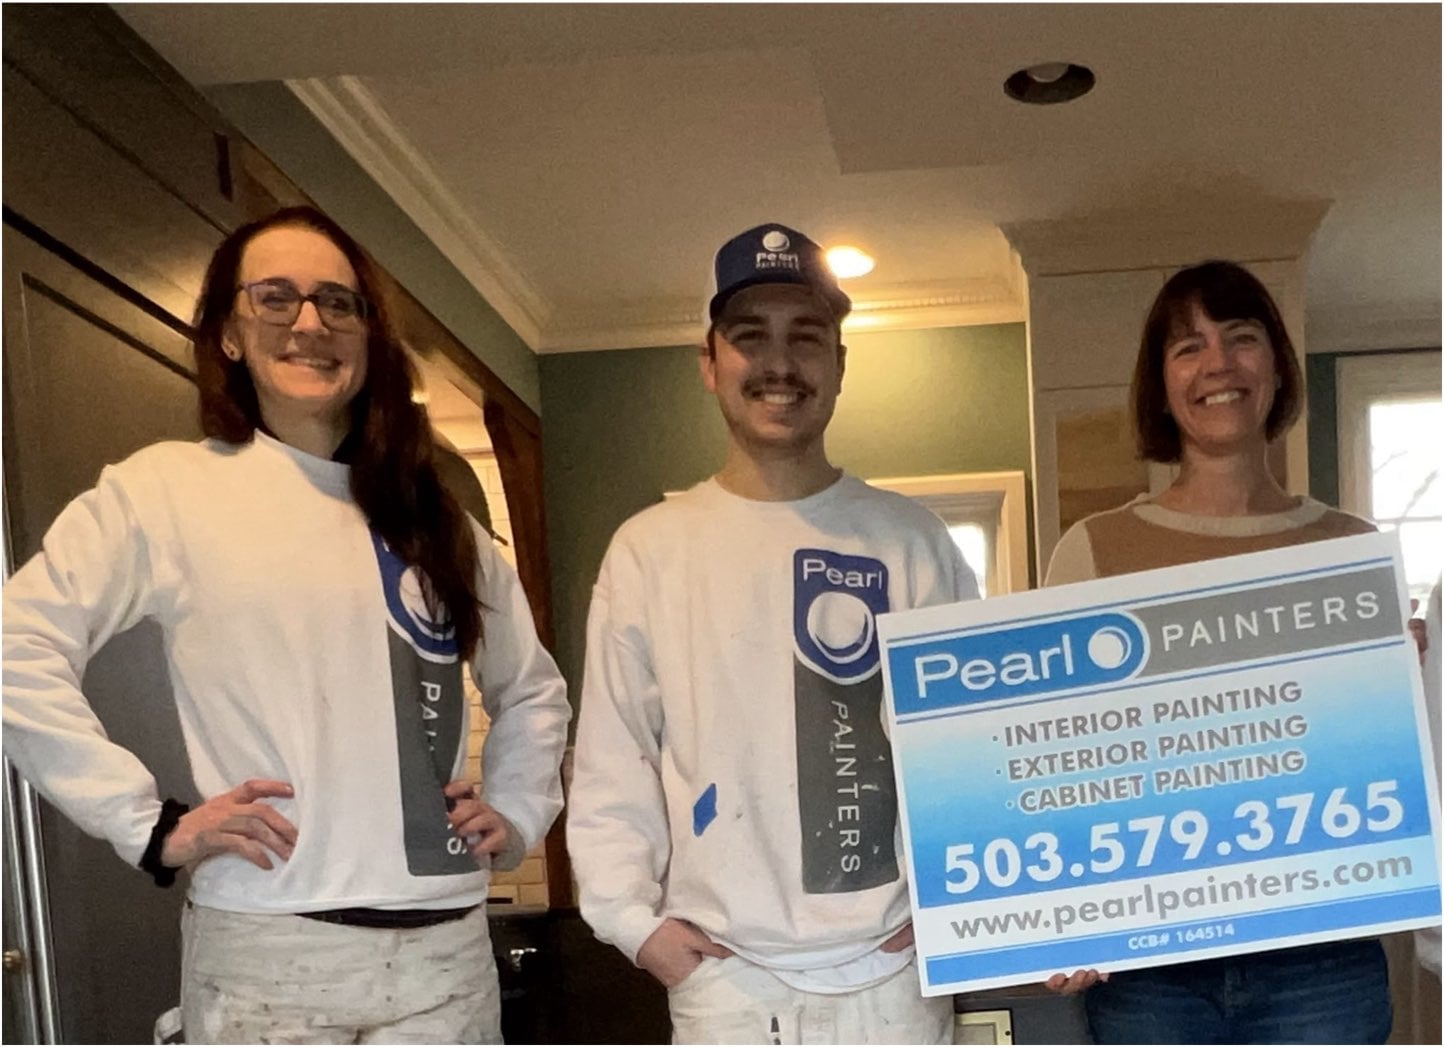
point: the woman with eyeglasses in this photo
(1215, 382)
(319, 592)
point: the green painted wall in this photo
(1321, 381)
(624, 426)
(284, 129)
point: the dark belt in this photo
(390, 919)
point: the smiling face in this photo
(304, 370)
(775, 365)
(1220, 380)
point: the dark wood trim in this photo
(430, 338)
(519, 458)
(224, 179)
(559, 866)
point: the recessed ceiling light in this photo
(849, 262)
(1049, 83)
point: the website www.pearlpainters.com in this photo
(1175, 902)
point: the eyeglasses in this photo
(279, 302)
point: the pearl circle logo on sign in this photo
(841, 625)
(1109, 647)
(776, 240)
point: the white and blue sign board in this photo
(1172, 765)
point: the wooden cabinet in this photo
(89, 378)
(63, 179)
(93, 66)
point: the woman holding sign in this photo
(1215, 382)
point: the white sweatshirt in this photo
(298, 650)
(731, 763)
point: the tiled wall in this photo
(527, 884)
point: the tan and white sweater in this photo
(1143, 535)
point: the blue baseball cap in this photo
(774, 254)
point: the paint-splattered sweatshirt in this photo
(299, 648)
(732, 767)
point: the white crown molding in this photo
(1251, 230)
(933, 312)
(647, 325)
(965, 303)
(599, 331)
(366, 131)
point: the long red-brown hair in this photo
(393, 473)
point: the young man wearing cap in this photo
(733, 811)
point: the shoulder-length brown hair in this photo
(1224, 291)
(393, 476)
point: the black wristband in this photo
(170, 814)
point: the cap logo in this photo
(772, 253)
(776, 240)
(768, 260)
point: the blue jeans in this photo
(1332, 993)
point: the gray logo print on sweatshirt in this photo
(429, 706)
(846, 794)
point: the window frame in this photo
(1362, 381)
(996, 500)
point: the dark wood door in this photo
(89, 377)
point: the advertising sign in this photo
(1176, 764)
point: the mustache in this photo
(776, 383)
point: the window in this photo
(1391, 422)
(974, 541)
(986, 515)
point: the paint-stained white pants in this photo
(286, 979)
(734, 1001)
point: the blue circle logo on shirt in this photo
(841, 625)
(433, 636)
(836, 600)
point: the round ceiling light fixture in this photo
(1049, 83)
(847, 262)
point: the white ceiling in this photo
(580, 163)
